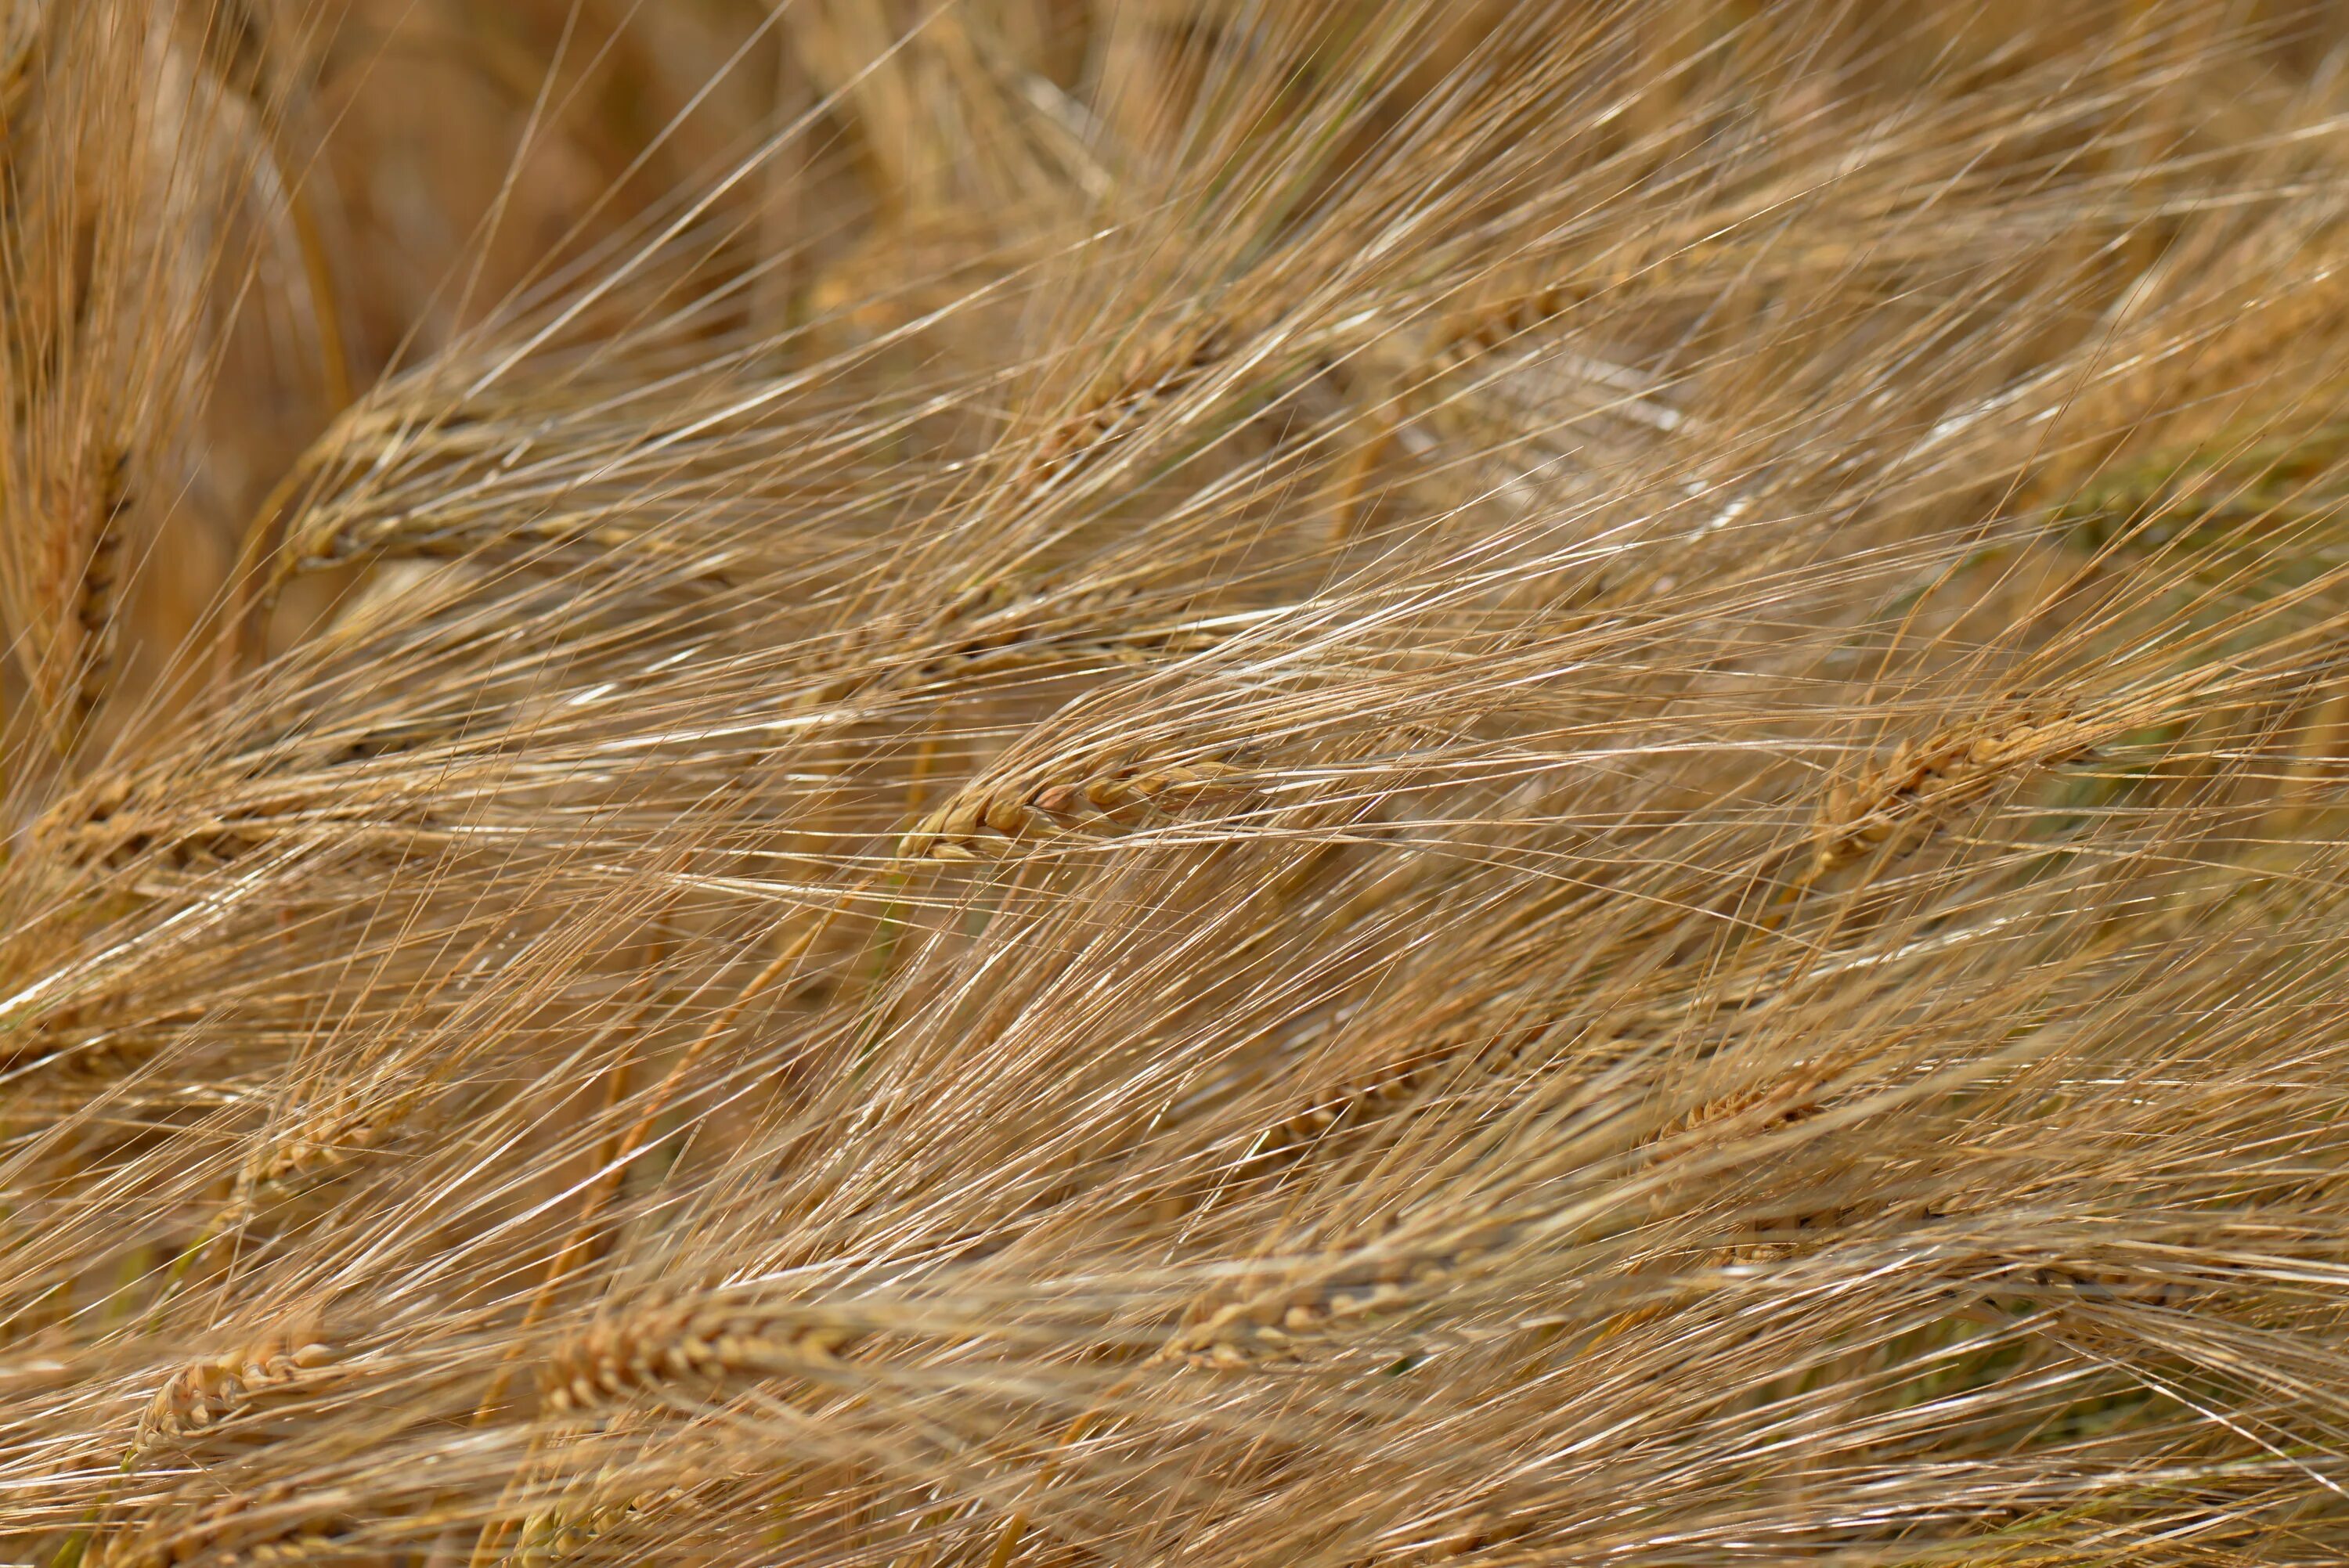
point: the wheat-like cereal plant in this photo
(1064, 783)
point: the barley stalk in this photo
(690, 1345)
(1893, 804)
(987, 819)
(203, 1395)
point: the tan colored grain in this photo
(690, 1347)
(1892, 805)
(987, 821)
(206, 1392)
(102, 573)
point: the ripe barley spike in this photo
(1249, 783)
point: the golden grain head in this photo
(1070, 782)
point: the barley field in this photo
(1250, 783)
